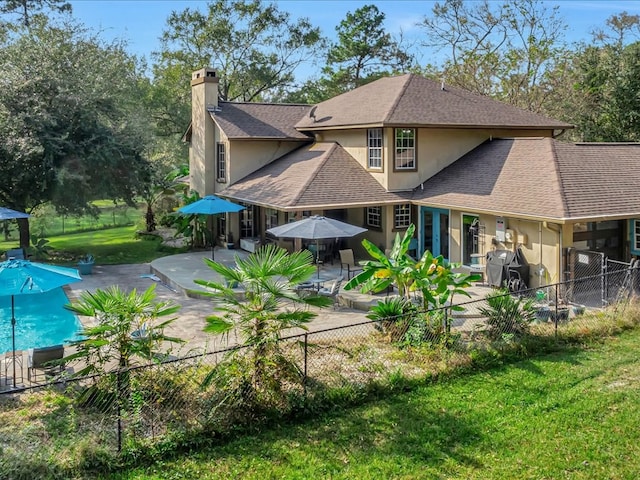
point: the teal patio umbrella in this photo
(22, 277)
(210, 205)
(8, 214)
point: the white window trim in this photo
(374, 149)
(412, 163)
(378, 215)
(405, 215)
(221, 163)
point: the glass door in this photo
(435, 231)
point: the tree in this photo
(25, 9)
(160, 186)
(364, 52)
(268, 278)
(127, 329)
(604, 98)
(504, 50)
(72, 127)
(254, 46)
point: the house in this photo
(472, 173)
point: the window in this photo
(271, 218)
(401, 216)
(222, 224)
(246, 221)
(221, 163)
(405, 148)
(373, 216)
(291, 217)
(635, 240)
(374, 144)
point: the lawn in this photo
(572, 414)
(109, 246)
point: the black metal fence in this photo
(220, 390)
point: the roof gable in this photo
(507, 176)
(259, 120)
(414, 100)
(314, 176)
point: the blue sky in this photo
(141, 22)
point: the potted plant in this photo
(85, 264)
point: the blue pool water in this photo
(41, 321)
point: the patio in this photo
(174, 278)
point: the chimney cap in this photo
(204, 75)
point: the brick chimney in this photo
(204, 98)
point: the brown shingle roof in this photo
(541, 178)
(414, 100)
(600, 179)
(259, 120)
(316, 176)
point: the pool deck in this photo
(174, 279)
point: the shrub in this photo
(507, 314)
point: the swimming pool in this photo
(41, 321)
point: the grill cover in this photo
(502, 265)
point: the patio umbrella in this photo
(210, 205)
(22, 277)
(316, 228)
(8, 214)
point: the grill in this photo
(507, 269)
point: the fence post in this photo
(304, 379)
(119, 407)
(555, 316)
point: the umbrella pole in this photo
(13, 339)
(318, 257)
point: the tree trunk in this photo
(23, 228)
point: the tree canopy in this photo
(254, 46)
(26, 9)
(364, 52)
(71, 125)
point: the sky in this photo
(140, 22)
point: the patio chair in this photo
(40, 359)
(347, 260)
(15, 253)
(332, 292)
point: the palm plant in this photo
(160, 186)
(507, 314)
(119, 316)
(270, 305)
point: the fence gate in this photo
(594, 280)
(585, 277)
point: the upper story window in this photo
(405, 149)
(374, 148)
(402, 216)
(373, 216)
(221, 163)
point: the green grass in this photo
(572, 414)
(110, 246)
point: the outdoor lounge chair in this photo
(347, 260)
(15, 253)
(41, 358)
(332, 292)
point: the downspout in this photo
(553, 227)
